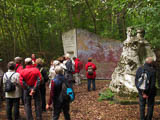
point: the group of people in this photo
(29, 83)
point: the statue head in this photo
(129, 31)
(140, 33)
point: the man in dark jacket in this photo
(45, 78)
(55, 97)
(30, 79)
(150, 93)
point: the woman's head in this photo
(89, 59)
(11, 65)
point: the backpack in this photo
(70, 66)
(67, 92)
(90, 70)
(80, 65)
(9, 86)
(143, 81)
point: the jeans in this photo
(150, 105)
(58, 107)
(28, 106)
(10, 102)
(43, 96)
(93, 84)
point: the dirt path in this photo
(86, 107)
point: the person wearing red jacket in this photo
(19, 68)
(78, 66)
(91, 73)
(18, 61)
(33, 56)
(30, 79)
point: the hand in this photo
(144, 95)
(31, 92)
(48, 107)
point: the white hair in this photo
(59, 70)
(67, 55)
(27, 60)
(149, 60)
(55, 62)
(17, 59)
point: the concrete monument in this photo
(83, 44)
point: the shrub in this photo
(106, 95)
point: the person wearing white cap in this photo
(30, 79)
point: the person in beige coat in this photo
(12, 97)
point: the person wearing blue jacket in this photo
(59, 104)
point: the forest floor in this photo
(87, 107)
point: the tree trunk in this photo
(92, 15)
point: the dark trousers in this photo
(93, 84)
(43, 96)
(22, 98)
(150, 106)
(58, 107)
(2, 95)
(28, 105)
(10, 103)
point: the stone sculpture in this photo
(135, 50)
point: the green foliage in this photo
(106, 95)
(28, 26)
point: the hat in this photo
(27, 60)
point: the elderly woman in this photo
(52, 72)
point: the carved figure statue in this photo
(135, 50)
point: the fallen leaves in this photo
(87, 107)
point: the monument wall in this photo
(69, 42)
(105, 52)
